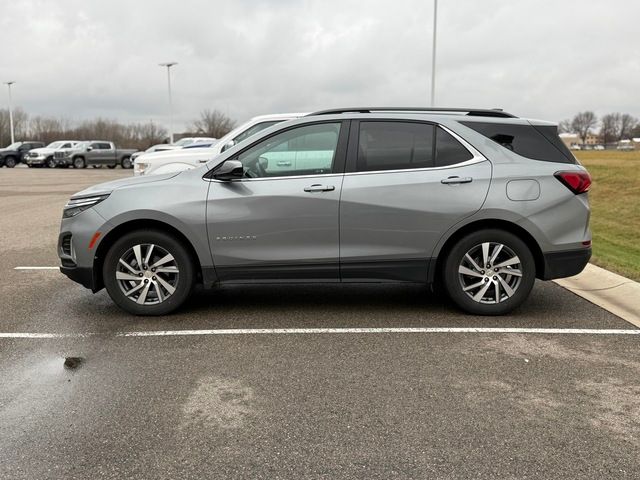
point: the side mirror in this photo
(228, 145)
(229, 170)
(89, 149)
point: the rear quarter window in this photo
(537, 143)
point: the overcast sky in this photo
(536, 58)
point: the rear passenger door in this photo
(406, 184)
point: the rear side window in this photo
(394, 146)
(525, 140)
(449, 151)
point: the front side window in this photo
(306, 150)
(258, 127)
(394, 146)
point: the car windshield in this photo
(14, 145)
(184, 142)
(55, 145)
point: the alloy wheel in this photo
(147, 274)
(490, 273)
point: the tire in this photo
(10, 162)
(111, 167)
(50, 162)
(78, 162)
(510, 283)
(126, 162)
(179, 273)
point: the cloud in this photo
(537, 58)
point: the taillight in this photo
(577, 182)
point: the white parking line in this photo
(36, 268)
(317, 331)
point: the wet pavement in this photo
(345, 405)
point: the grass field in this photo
(615, 209)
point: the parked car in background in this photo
(479, 201)
(95, 153)
(164, 162)
(45, 156)
(14, 153)
(625, 145)
(199, 145)
(598, 147)
(182, 143)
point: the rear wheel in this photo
(126, 162)
(79, 162)
(489, 272)
(148, 273)
(10, 162)
(111, 166)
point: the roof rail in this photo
(473, 112)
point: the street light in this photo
(433, 54)
(169, 65)
(8, 84)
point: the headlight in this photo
(79, 204)
(139, 168)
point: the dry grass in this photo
(615, 209)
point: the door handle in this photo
(455, 180)
(319, 188)
(283, 163)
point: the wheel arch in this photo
(506, 225)
(129, 226)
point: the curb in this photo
(615, 293)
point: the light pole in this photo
(8, 84)
(169, 65)
(433, 54)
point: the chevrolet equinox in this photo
(478, 201)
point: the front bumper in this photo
(566, 263)
(82, 275)
(33, 160)
(76, 256)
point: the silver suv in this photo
(479, 201)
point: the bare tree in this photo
(213, 123)
(627, 124)
(610, 129)
(583, 123)
(565, 127)
(148, 134)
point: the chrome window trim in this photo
(471, 161)
(285, 177)
(477, 158)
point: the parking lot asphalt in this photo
(299, 405)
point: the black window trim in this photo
(338, 163)
(353, 148)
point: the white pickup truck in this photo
(187, 158)
(45, 156)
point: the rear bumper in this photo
(566, 263)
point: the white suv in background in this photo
(176, 161)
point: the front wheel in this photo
(148, 273)
(79, 162)
(9, 162)
(50, 162)
(489, 272)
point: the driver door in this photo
(280, 222)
